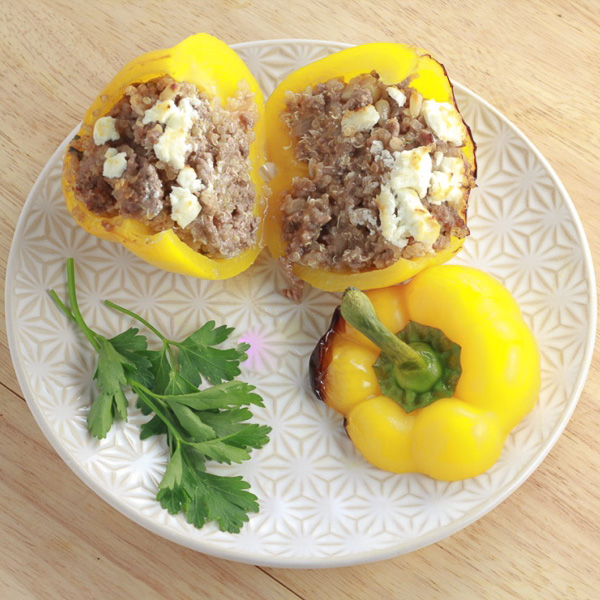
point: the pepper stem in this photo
(358, 310)
(413, 367)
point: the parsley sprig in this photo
(199, 424)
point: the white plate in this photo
(322, 505)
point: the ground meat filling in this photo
(347, 213)
(166, 156)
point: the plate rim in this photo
(313, 562)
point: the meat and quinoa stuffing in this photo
(385, 175)
(167, 156)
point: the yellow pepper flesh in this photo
(394, 63)
(217, 71)
(452, 438)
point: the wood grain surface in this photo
(536, 61)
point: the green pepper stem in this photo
(358, 310)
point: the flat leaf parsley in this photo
(199, 424)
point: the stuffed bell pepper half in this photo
(373, 168)
(167, 161)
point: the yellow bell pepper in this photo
(216, 70)
(394, 63)
(449, 433)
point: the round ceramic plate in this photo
(321, 504)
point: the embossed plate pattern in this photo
(321, 503)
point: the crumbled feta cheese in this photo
(172, 146)
(187, 178)
(387, 159)
(115, 163)
(160, 112)
(376, 147)
(452, 164)
(403, 216)
(182, 116)
(445, 121)
(401, 211)
(184, 206)
(447, 184)
(105, 131)
(381, 154)
(396, 95)
(362, 119)
(412, 169)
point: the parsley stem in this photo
(137, 317)
(89, 334)
(61, 305)
(139, 388)
(143, 321)
(144, 394)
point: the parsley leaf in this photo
(132, 346)
(199, 425)
(111, 402)
(171, 493)
(155, 426)
(199, 358)
(226, 422)
(161, 368)
(230, 393)
(192, 423)
(221, 499)
(179, 385)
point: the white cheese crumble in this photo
(381, 154)
(376, 147)
(403, 216)
(441, 178)
(447, 183)
(182, 116)
(412, 169)
(115, 163)
(160, 112)
(445, 121)
(105, 130)
(187, 178)
(396, 95)
(362, 119)
(184, 206)
(172, 146)
(401, 210)
(415, 175)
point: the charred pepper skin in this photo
(216, 70)
(453, 438)
(394, 63)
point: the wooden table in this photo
(536, 61)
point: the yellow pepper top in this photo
(217, 71)
(456, 435)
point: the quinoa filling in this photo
(168, 157)
(386, 177)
